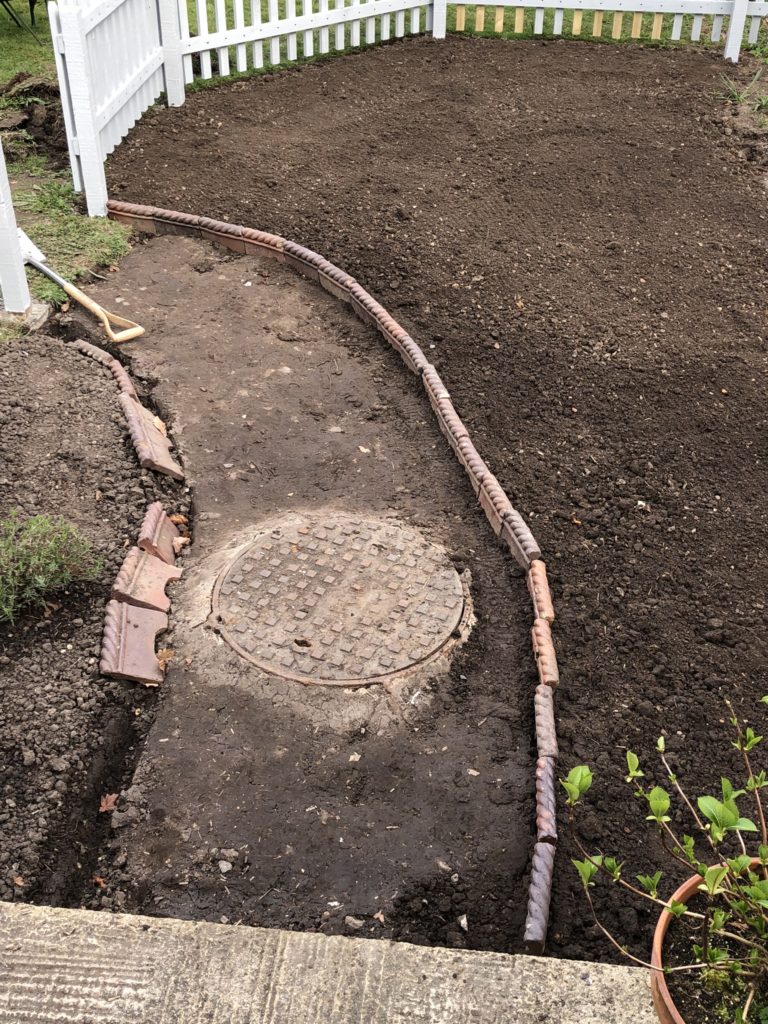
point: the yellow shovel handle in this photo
(131, 330)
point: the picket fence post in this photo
(173, 61)
(86, 144)
(13, 279)
(736, 23)
(439, 18)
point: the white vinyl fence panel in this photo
(14, 293)
(111, 64)
(232, 38)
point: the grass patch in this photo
(47, 210)
(38, 557)
(20, 52)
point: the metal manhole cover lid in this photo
(338, 599)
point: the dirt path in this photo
(581, 232)
(324, 804)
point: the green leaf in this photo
(612, 866)
(577, 783)
(675, 908)
(660, 745)
(658, 802)
(762, 853)
(713, 878)
(739, 864)
(633, 767)
(650, 883)
(587, 870)
(745, 825)
(719, 919)
(750, 739)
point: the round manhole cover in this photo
(338, 599)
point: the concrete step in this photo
(81, 967)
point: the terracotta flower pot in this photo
(665, 1008)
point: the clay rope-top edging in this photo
(506, 522)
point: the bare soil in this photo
(67, 735)
(384, 813)
(581, 233)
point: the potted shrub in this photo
(710, 946)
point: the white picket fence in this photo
(14, 293)
(116, 57)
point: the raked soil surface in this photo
(581, 231)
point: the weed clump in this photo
(39, 556)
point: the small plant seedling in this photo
(761, 104)
(734, 93)
(726, 846)
(38, 557)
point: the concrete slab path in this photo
(81, 967)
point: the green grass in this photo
(72, 243)
(45, 204)
(20, 52)
(39, 557)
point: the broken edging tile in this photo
(142, 581)
(158, 533)
(128, 643)
(152, 446)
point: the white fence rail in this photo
(14, 293)
(116, 57)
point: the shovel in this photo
(128, 330)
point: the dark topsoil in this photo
(581, 231)
(66, 733)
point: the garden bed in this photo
(580, 231)
(67, 735)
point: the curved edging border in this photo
(506, 522)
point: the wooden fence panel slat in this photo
(637, 26)
(538, 21)
(461, 17)
(519, 19)
(717, 28)
(479, 18)
(576, 26)
(498, 22)
(618, 19)
(557, 23)
(597, 23)
(658, 21)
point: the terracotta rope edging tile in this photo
(142, 580)
(507, 523)
(128, 643)
(158, 533)
(152, 446)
